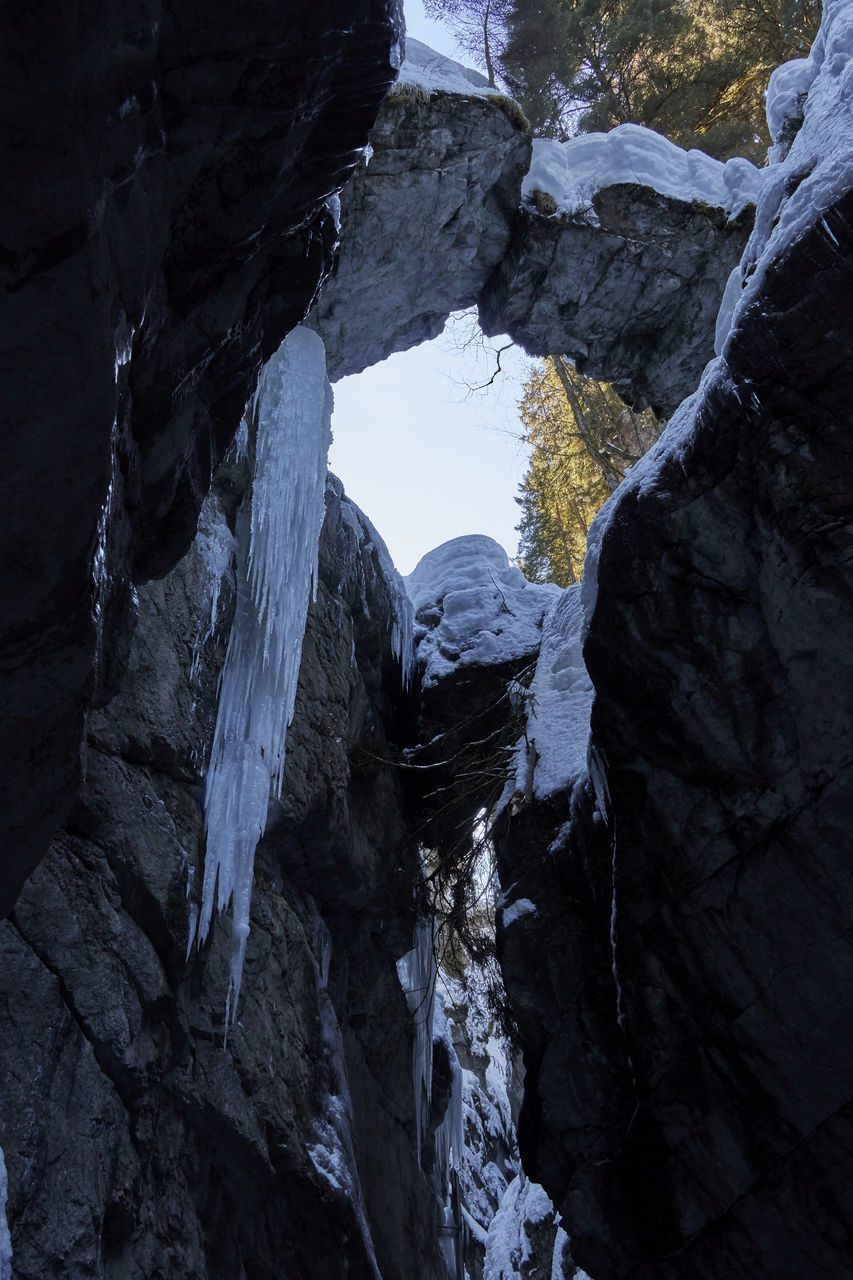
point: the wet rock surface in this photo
(136, 1143)
(165, 172)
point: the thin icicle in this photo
(278, 531)
(449, 1136)
(417, 971)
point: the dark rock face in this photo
(165, 169)
(633, 300)
(136, 1144)
(690, 1083)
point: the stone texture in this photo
(136, 1144)
(165, 169)
(690, 1091)
(423, 222)
(632, 300)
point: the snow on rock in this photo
(515, 911)
(277, 534)
(436, 73)
(401, 624)
(785, 93)
(559, 704)
(5, 1239)
(796, 194)
(571, 172)
(818, 168)
(508, 1244)
(473, 608)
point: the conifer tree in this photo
(583, 440)
(694, 70)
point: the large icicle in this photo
(277, 539)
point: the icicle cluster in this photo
(277, 539)
(450, 1135)
(417, 971)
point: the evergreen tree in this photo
(694, 70)
(583, 440)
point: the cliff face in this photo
(165, 172)
(136, 1145)
(675, 933)
(689, 1087)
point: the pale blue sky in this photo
(423, 457)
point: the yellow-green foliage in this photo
(543, 202)
(403, 91)
(583, 438)
(511, 110)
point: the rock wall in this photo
(135, 1142)
(166, 168)
(629, 290)
(689, 1086)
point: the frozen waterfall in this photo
(278, 530)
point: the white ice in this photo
(437, 74)
(417, 972)
(277, 537)
(5, 1239)
(559, 704)
(571, 172)
(473, 608)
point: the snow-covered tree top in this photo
(434, 72)
(571, 172)
(473, 608)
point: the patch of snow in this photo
(788, 86)
(559, 704)
(571, 172)
(818, 168)
(5, 1238)
(522, 907)
(277, 536)
(507, 1243)
(437, 74)
(473, 608)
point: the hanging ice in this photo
(418, 972)
(5, 1239)
(278, 531)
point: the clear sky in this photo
(426, 459)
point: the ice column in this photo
(278, 531)
(5, 1239)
